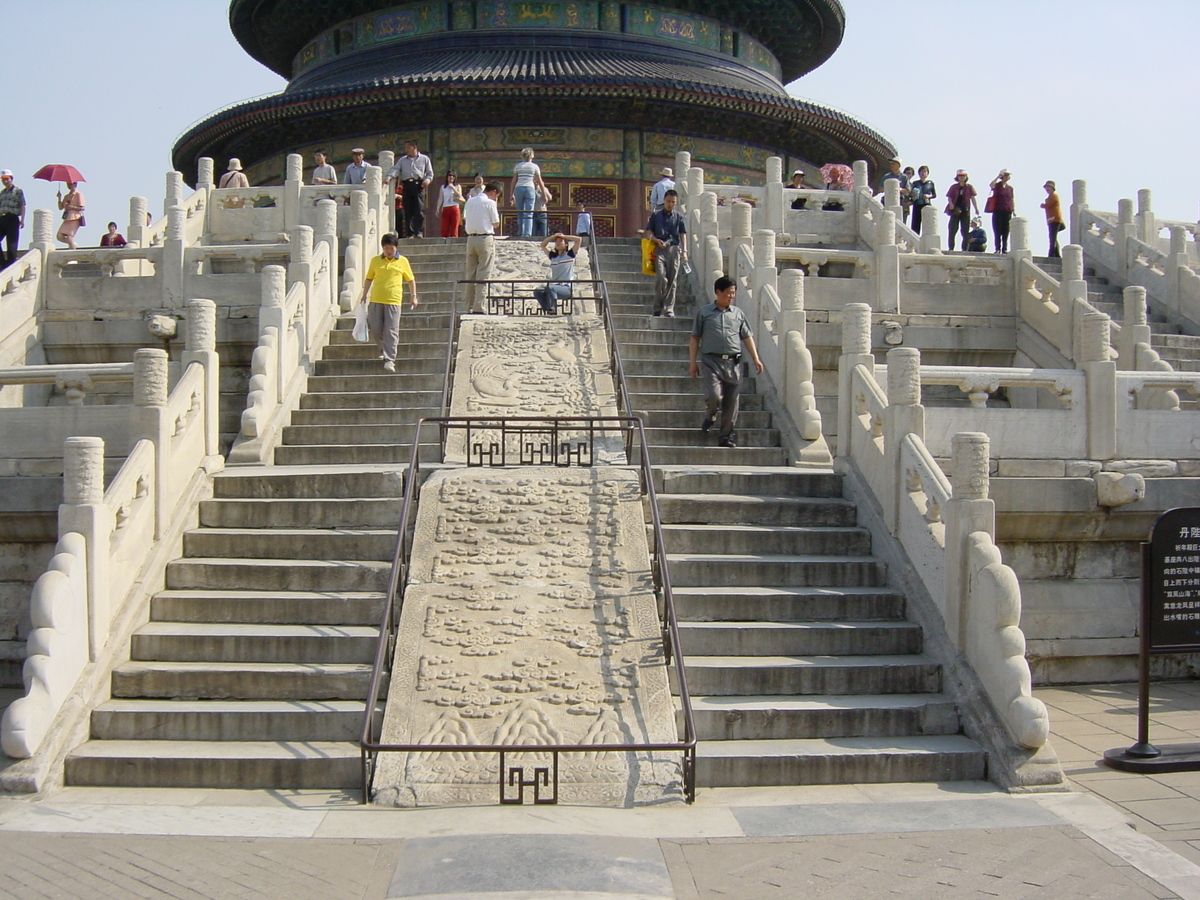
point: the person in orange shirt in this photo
(1054, 218)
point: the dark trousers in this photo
(917, 209)
(960, 220)
(411, 212)
(10, 232)
(722, 383)
(1001, 220)
(1055, 228)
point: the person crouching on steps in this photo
(385, 283)
(719, 332)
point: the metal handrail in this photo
(369, 744)
(614, 349)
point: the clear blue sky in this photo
(1096, 89)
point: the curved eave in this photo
(646, 105)
(802, 34)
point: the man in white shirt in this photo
(414, 172)
(480, 218)
(323, 173)
(664, 184)
(356, 172)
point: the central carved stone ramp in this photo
(801, 665)
(254, 666)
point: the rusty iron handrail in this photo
(370, 747)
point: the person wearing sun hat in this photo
(659, 191)
(234, 177)
(12, 217)
(959, 200)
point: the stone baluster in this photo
(1101, 374)
(205, 174)
(1177, 262)
(709, 228)
(300, 272)
(292, 183)
(791, 303)
(150, 383)
(1135, 328)
(378, 221)
(174, 191)
(904, 415)
(271, 315)
(351, 273)
(1073, 290)
(325, 232)
(683, 162)
(891, 198)
(773, 195)
(764, 275)
(387, 159)
(887, 264)
(1079, 205)
(712, 252)
(931, 229)
(695, 181)
(1126, 230)
(43, 235)
(740, 225)
(799, 393)
(359, 227)
(174, 251)
(83, 511)
(861, 175)
(1147, 225)
(201, 347)
(856, 351)
(968, 510)
(139, 208)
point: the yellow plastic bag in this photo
(647, 256)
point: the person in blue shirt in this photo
(667, 230)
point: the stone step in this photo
(405, 365)
(636, 353)
(217, 764)
(692, 401)
(438, 319)
(345, 435)
(382, 382)
(345, 544)
(312, 512)
(754, 480)
(689, 420)
(643, 367)
(434, 337)
(388, 399)
(782, 718)
(738, 569)
(269, 607)
(675, 384)
(754, 639)
(688, 437)
(278, 574)
(242, 680)
(651, 336)
(229, 720)
(243, 643)
(717, 456)
(367, 416)
(408, 347)
(1175, 341)
(785, 604)
(312, 482)
(736, 509)
(731, 676)
(766, 539)
(851, 760)
(361, 454)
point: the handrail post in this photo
(1125, 231)
(202, 348)
(773, 195)
(1147, 224)
(150, 423)
(292, 182)
(904, 415)
(1079, 205)
(887, 263)
(856, 351)
(139, 210)
(1101, 374)
(1135, 328)
(83, 511)
(969, 509)
(174, 252)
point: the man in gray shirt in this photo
(413, 171)
(719, 333)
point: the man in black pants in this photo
(719, 332)
(414, 171)
(12, 217)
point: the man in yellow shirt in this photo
(385, 283)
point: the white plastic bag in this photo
(361, 332)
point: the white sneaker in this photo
(389, 366)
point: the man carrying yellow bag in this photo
(668, 233)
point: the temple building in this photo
(605, 92)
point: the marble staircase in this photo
(801, 664)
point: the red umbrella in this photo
(59, 172)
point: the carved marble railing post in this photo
(712, 262)
(1177, 262)
(1135, 328)
(695, 182)
(861, 175)
(887, 264)
(201, 347)
(1074, 292)
(1125, 230)
(764, 274)
(931, 229)
(300, 272)
(799, 393)
(174, 191)
(968, 510)
(42, 236)
(740, 231)
(377, 217)
(139, 208)
(891, 198)
(351, 273)
(387, 159)
(1079, 205)
(325, 232)
(83, 512)
(773, 194)
(904, 415)
(1147, 225)
(712, 251)
(791, 302)
(174, 249)
(1101, 374)
(360, 228)
(205, 178)
(292, 182)
(683, 162)
(150, 422)
(1018, 241)
(271, 315)
(856, 351)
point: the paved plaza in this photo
(951, 840)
